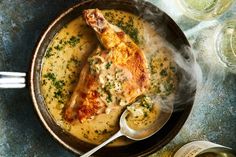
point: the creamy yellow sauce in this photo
(69, 50)
(143, 114)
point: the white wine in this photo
(217, 152)
(226, 45)
(204, 149)
(204, 9)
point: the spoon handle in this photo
(116, 135)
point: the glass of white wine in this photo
(217, 152)
(225, 44)
(204, 9)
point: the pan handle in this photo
(12, 79)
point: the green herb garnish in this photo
(163, 72)
(128, 28)
(109, 98)
(108, 65)
(145, 102)
(74, 40)
(76, 61)
(58, 47)
(57, 84)
(49, 52)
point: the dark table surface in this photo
(21, 134)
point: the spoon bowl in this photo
(141, 134)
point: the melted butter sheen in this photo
(69, 50)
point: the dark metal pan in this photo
(170, 32)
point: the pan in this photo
(169, 31)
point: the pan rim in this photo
(33, 88)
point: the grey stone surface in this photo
(21, 23)
(213, 116)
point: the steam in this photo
(189, 75)
(214, 71)
(155, 36)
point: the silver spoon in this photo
(125, 130)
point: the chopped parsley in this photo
(58, 47)
(108, 65)
(58, 94)
(57, 84)
(146, 102)
(169, 87)
(109, 98)
(108, 15)
(50, 76)
(102, 132)
(128, 28)
(163, 72)
(76, 61)
(49, 52)
(155, 61)
(94, 66)
(74, 40)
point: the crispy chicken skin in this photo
(114, 75)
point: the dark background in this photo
(21, 24)
(21, 133)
